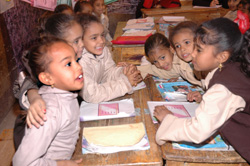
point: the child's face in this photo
(65, 72)
(162, 58)
(68, 11)
(204, 58)
(74, 38)
(98, 7)
(87, 9)
(94, 38)
(183, 44)
(232, 4)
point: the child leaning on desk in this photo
(225, 107)
(53, 64)
(165, 64)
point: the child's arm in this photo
(36, 112)
(31, 101)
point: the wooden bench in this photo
(197, 15)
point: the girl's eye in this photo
(76, 42)
(68, 64)
(78, 59)
(177, 46)
(103, 34)
(187, 42)
(199, 50)
(163, 57)
(94, 38)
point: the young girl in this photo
(103, 80)
(98, 10)
(54, 63)
(83, 7)
(225, 107)
(61, 26)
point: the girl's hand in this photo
(133, 75)
(173, 79)
(69, 162)
(160, 112)
(122, 64)
(194, 96)
(37, 110)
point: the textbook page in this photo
(107, 110)
(179, 109)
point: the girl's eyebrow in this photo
(65, 58)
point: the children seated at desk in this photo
(164, 63)
(225, 107)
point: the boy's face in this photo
(232, 4)
(162, 58)
(184, 44)
(94, 38)
(99, 7)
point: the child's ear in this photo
(223, 56)
(46, 78)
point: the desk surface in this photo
(152, 156)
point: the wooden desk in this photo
(197, 15)
(152, 156)
(176, 157)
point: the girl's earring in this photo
(52, 86)
(220, 66)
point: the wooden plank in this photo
(7, 149)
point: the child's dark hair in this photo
(79, 6)
(155, 41)
(182, 25)
(57, 25)
(37, 59)
(85, 19)
(225, 35)
(60, 8)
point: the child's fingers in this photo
(31, 121)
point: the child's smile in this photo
(94, 38)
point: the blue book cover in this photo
(176, 91)
(215, 143)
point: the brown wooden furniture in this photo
(152, 156)
(197, 15)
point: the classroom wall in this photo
(16, 34)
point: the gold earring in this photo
(220, 66)
(52, 86)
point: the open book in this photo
(187, 110)
(107, 110)
(176, 91)
(179, 109)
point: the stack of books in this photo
(136, 31)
